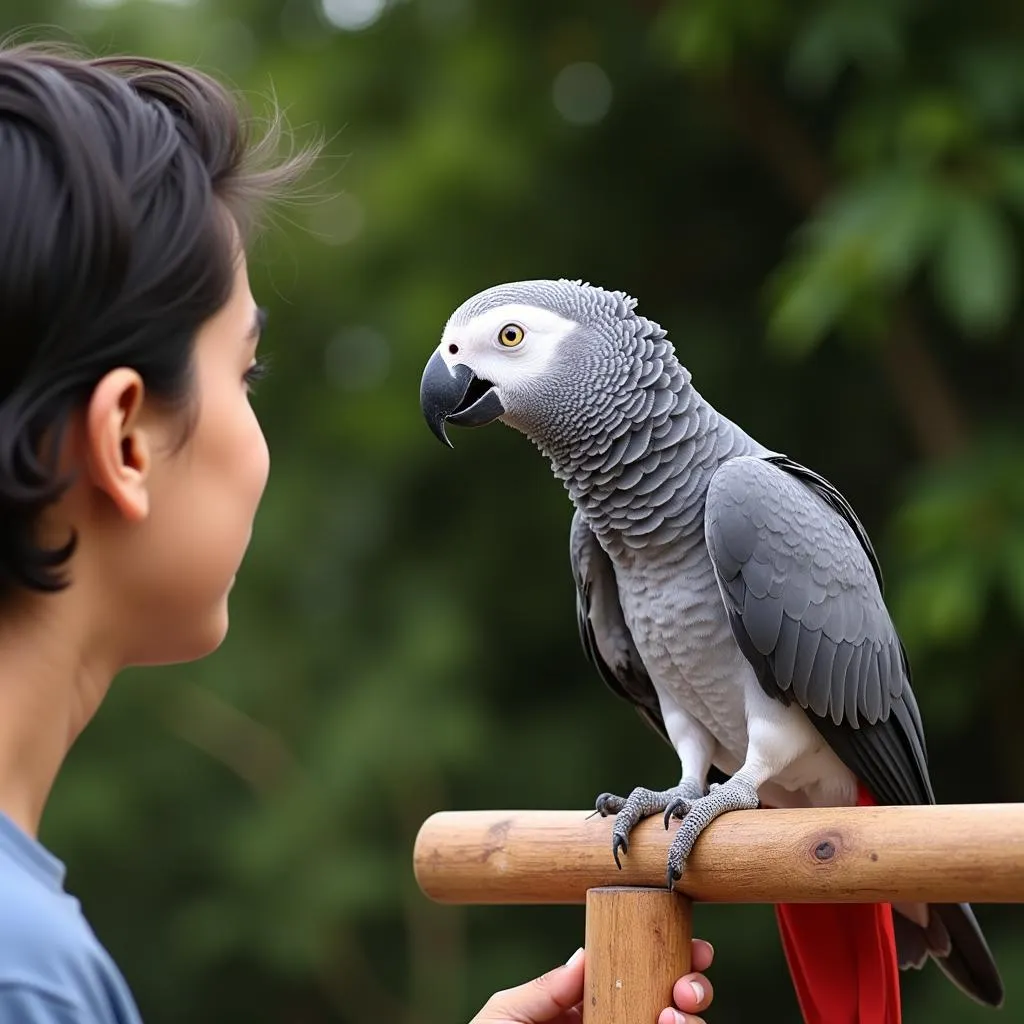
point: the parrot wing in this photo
(803, 590)
(606, 638)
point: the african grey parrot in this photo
(727, 591)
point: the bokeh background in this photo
(823, 204)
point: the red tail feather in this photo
(842, 957)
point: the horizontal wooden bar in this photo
(939, 854)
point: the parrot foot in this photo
(734, 795)
(642, 803)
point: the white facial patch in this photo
(479, 348)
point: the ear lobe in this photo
(118, 446)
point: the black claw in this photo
(672, 808)
(671, 877)
(619, 842)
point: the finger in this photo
(670, 1016)
(701, 954)
(693, 993)
(545, 1000)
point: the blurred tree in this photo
(822, 203)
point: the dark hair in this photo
(120, 178)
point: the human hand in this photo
(556, 997)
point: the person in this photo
(556, 997)
(131, 461)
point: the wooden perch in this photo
(943, 854)
(637, 932)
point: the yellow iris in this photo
(510, 335)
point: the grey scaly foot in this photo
(734, 795)
(640, 804)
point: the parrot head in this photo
(538, 355)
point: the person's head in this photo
(131, 463)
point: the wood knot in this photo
(825, 850)
(494, 841)
(824, 847)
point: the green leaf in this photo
(707, 36)
(992, 78)
(861, 249)
(809, 301)
(1008, 169)
(933, 125)
(1013, 573)
(842, 35)
(942, 605)
(976, 266)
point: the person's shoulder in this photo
(38, 922)
(52, 966)
(29, 1003)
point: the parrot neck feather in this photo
(639, 465)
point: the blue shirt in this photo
(53, 969)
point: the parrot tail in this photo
(955, 942)
(842, 958)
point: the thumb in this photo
(544, 999)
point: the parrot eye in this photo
(510, 335)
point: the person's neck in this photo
(51, 685)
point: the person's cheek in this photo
(260, 462)
(250, 471)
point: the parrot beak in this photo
(456, 395)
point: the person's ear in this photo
(118, 443)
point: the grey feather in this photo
(748, 490)
(841, 674)
(964, 956)
(806, 651)
(762, 620)
(862, 656)
(822, 691)
(785, 650)
(606, 639)
(884, 749)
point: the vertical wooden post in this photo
(638, 944)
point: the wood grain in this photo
(638, 944)
(952, 853)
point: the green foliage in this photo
(960, 538)
(836, 37)
(785, 186)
